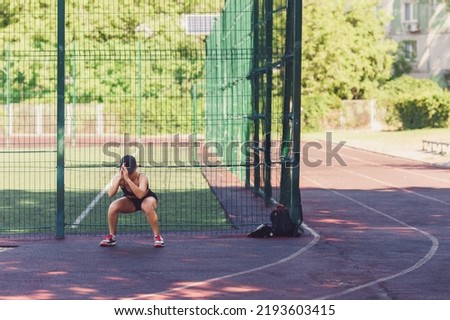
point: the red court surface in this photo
(377, 228)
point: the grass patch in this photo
(28, 193)
(406, 143)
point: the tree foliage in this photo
(345, 46)
(128, 54)
(426, 111)
(414, 103)
(113, 46)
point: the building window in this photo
(409, 48)
(409, 12)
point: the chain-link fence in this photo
(194, 89)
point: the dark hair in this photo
(130, 163)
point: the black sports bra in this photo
(128, 193)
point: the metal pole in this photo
(255, 101)
(296, 205)
(285, 183)
(139, 91)
(268, 105)
(194, 114)
(60, 122)
(8, 102)
(74, 90)
(74, 83)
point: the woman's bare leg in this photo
(149, 206)
(121, 205)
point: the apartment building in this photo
(422, 28)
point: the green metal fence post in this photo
(194, 123)
(8, 102)
(285, 183)
(255, 100)
(268, 103)
(296, 205)
(74, 94)
(60, 121)
(139, 111)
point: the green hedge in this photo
(428, 111)
(411, 103)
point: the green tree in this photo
(28, 31)
(345, 46)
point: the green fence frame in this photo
(237, 105)
(251, 71)
(60, 103)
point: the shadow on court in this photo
(378, 228)
(347, 252)
(187, 268)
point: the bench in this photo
(436, 147)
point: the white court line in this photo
(88, 209)
(398, 169)
(428, 256)
(313, 242)
(396, 187)
(417, 265)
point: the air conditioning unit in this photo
(412, 27)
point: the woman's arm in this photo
(114, 184)
(140, 191)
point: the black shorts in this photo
(138, 202)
